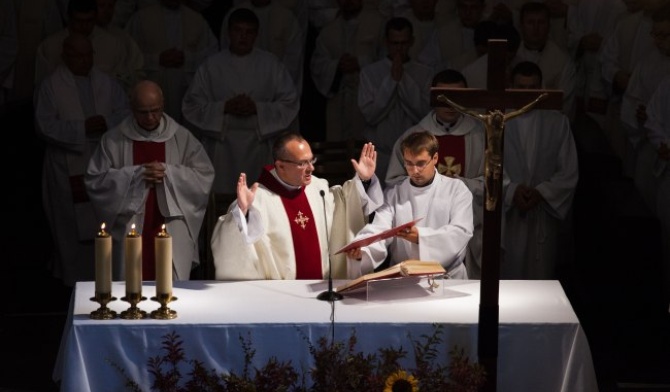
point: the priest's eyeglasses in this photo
(301, 164)
(418, 165)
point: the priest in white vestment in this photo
(287, 225)
(421, 14)
(345, 45)
(109, 52)
(589, 24)
(558, 68)
(454, 37)
(74, 106)
(621, 52)
(644, 80)
(150, 172)
(279, 32)
(461, 155)
(35, 20)
(239, 99)
(394, 92)
(476, 72)
(443, 205)
(540, 158)
(175, 41)
(134, 57)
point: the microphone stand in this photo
(328, 295)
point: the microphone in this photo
(328, 295)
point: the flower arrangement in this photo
(338, 366)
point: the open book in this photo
(377, 237)
(407, 268)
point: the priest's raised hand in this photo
(245, 195)
(367, 162)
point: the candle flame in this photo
(133, 232)
(163, 233)
(102, 232)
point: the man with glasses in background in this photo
(462, 143)
(285, 225)
(443, 205)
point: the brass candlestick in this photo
(133, 312)
(103, 312)
(164, 313)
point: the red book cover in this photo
(377, 237)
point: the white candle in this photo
(103, 262)
(133, 261)
(163, 248)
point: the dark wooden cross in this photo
(495, 97)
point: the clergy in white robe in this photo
(462, 143)
(589, 23)
(621, 52)
(394, 92)
(540, 158)
(109, 55)
(558, 68)
(453, 37)
(443, 205)
(424, 22)
(286, 225)
(628, 44)
(644, 80)
(73, 107)
(148, 172)
(343, 46)
(36, 20)
(133, 54)
(175, 41)
(239, 99)
(476, 71)
(279, 32)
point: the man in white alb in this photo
(239, 100)
(443, 204)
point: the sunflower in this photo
(401, 381)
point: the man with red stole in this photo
(151, 171)
(285, 225)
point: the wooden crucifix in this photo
(495, 100)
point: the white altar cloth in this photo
(542, 346)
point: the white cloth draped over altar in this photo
(542, 346)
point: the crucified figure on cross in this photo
(494, 122)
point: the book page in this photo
(407, 268)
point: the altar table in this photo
(542, 346)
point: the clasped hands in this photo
(526, 198)
(240, 105)
(154, 172)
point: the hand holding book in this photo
(378, 237)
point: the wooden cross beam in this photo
(495, 98)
